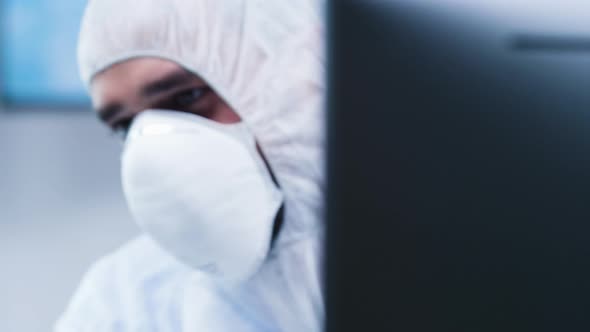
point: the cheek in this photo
(223, 113)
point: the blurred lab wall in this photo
(61, 207)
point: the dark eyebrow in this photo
(108, 112)
(166, 83)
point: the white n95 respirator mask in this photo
(201, 190)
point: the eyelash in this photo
(120, 128)
(189, 97)
(178, 102)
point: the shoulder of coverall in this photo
(122, 287)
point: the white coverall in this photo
(265, 58)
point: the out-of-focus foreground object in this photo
(459, 166)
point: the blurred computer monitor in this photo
(458, 166)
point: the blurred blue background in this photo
(38, 52)
(61, 206)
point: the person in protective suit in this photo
(220, 106)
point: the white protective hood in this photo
(265, 58)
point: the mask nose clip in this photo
(155, 129)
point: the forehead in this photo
(122, 82)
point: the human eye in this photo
(188, 98)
